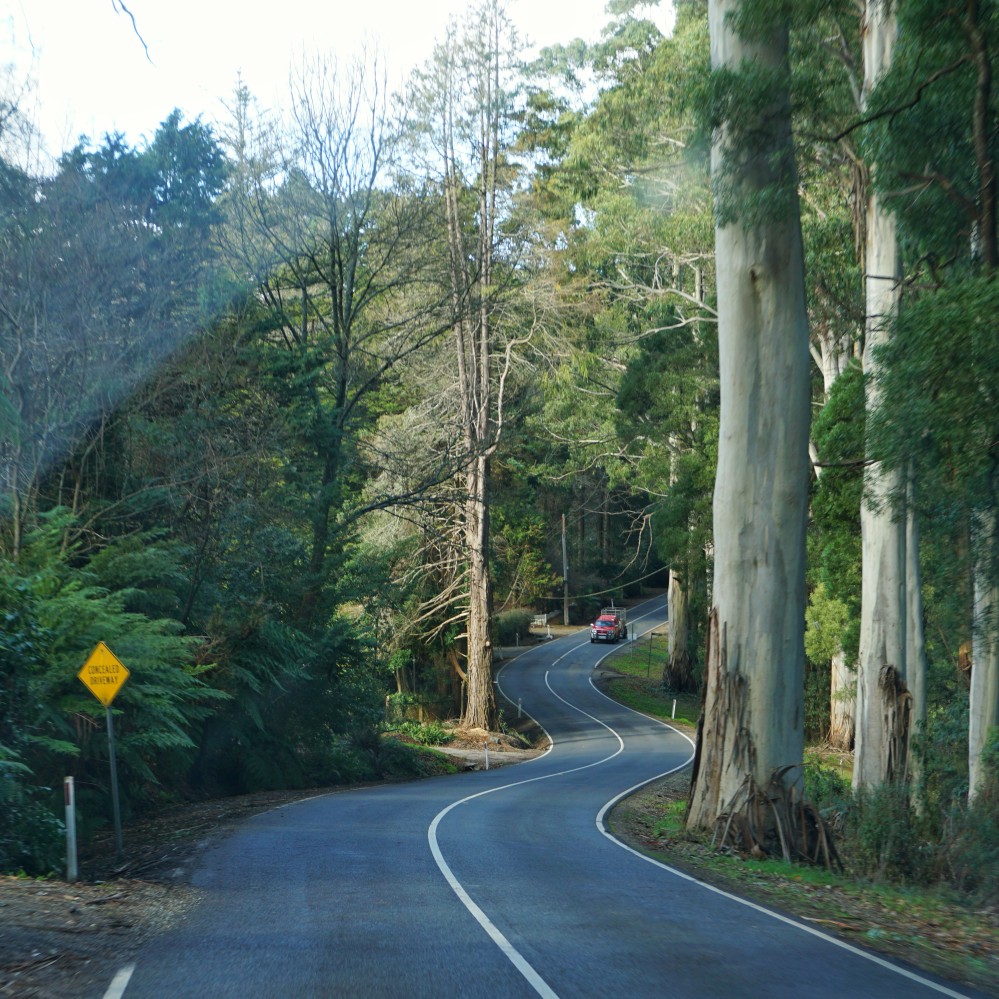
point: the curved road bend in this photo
(499, 883)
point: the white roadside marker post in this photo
(70, 793)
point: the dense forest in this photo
(306, 411)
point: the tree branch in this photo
(120, 8)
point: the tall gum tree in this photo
(752, 728)
(463, 96)
(826, 87)
(931, 128)
(891, 667)
(937, 159)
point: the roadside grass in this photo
(929, 927)
(932, 928)
(643, 695)
(641, 664)
(671, 823)
(433, 762)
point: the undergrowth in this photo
(425, 733)
(369, 755)
(892, 836)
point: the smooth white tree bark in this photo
(983, 708)
(832, 350)
(753, 719)
(891, 667)
(842, 702)
(915, 639)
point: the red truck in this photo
(610, 626)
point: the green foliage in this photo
(742, 103)
(940, 373)
(672, 822)
(833, 615)
(166, 693)
(825, 621)
(835, 284)
(426, 733)
(925, 835)
(817, 691)
(30, 832)
(942, 747)
(884, 838)
(32, 837)
(523, 576)
(365, 755)
(512, 627)
(288, 696)
(632, 258)
(969, 856)
(923, 136)
(825, 787)
(369, 755)
(57, 611)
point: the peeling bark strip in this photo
(766, 820)
(722, 718)
(896, 704)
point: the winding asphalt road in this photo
(499, 883)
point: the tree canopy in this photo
(303, 413)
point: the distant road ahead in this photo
(498, 883)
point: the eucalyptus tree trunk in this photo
(983, 709)
(752, 728)
(480, 706)
(474, 72)
(832, 350)
(891, 664)
(915, 639)
(842, 702)
(678, 673)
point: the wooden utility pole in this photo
(565, 578)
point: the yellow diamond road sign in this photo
(104, 674)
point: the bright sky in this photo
(92, 75)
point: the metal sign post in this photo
(114, 785)
(103, 674)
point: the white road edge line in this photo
(513, 955)
(120, 982)
(495, 934)
(842, 944)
